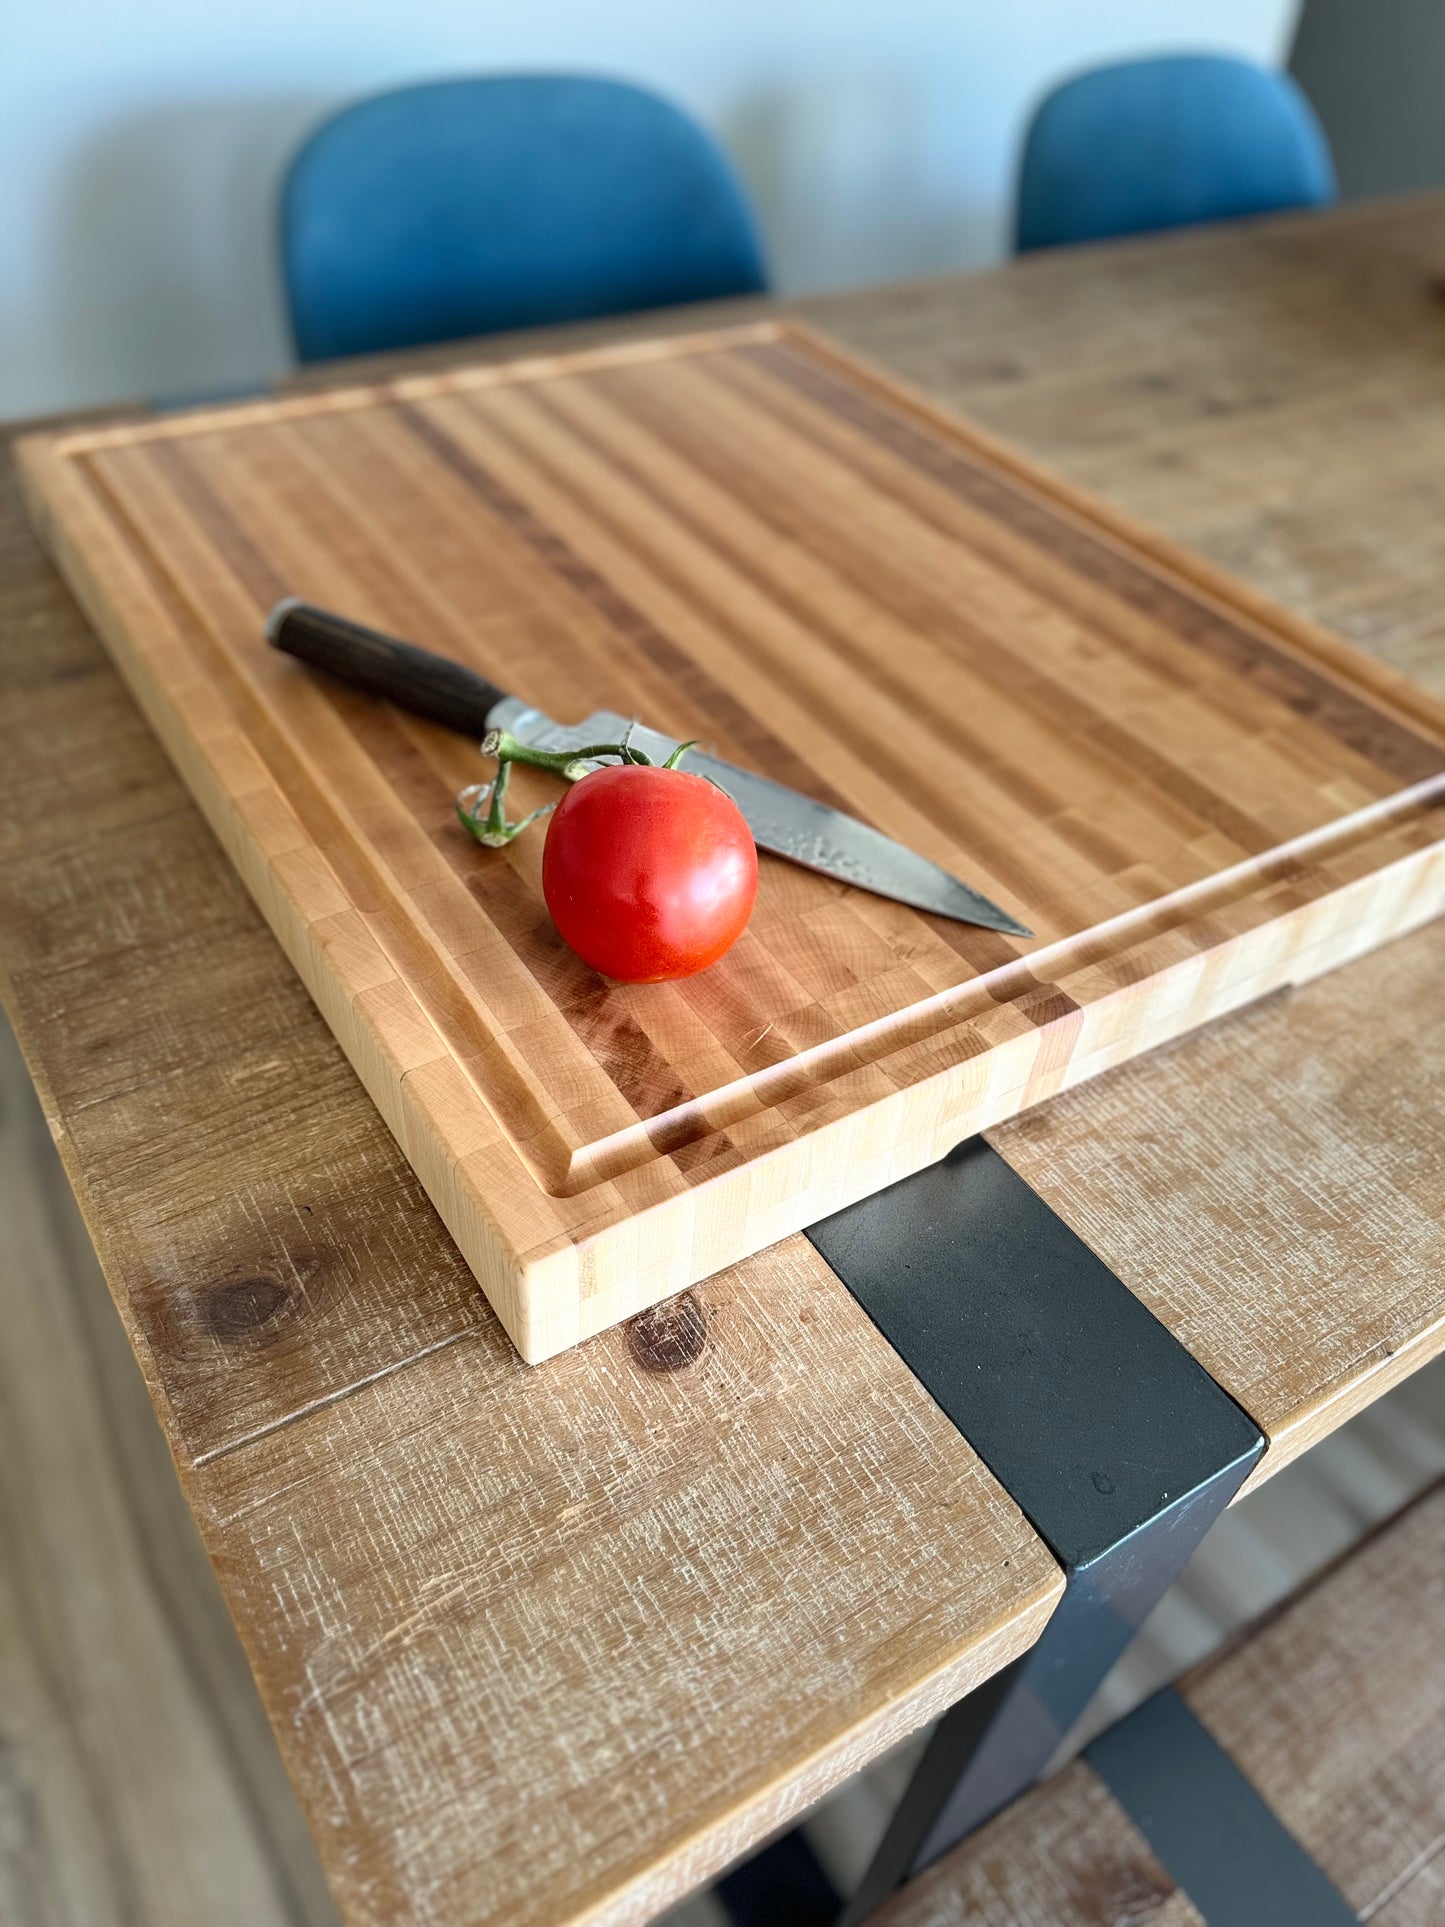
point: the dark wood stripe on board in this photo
(1237, 646)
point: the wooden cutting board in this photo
(1191, 797)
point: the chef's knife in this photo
(783, 821)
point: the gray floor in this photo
(139, 1785)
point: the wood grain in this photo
(143, 908)
(788, 1489)
(1290, 1230)
(1190, 799)
(1420, 1902)
(267, 1245)
(1265, 392)
(1334, 1709)
(585, 1631)
(139, 1783)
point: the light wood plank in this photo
(1291, 1229)
(139, 1782)
(583, 1632)
(267, 1244)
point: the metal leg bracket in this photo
(1118, 1447)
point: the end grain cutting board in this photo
(743, 537)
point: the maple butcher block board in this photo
(745, 537)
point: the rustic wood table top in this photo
(554, 1643)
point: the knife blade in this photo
(783, 821)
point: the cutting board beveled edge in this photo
(566, 1245)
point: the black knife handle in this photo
(432, 686)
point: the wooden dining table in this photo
(557, 1643)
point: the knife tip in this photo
(988, 916)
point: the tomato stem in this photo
(492, 829)
(568, 763)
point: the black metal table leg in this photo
(1118, 1447)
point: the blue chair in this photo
(1165, 143)
(469, 206)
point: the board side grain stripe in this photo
(951, 735)
(613, 1040)
(450, 1005)
(1286, 757)
(1282, 753)
(931, 625)
(949, 518)
(1383, 739)
(983, 950)
(1294, 774)
(370, 889)
(1117, 749)
(1003, 859)
(646, 1082)
(951, 521)
(771, 753)
(1046, 688)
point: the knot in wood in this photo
(669, 1336)
(240, 1306)
(1129, 1896)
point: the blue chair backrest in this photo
(468, 206)
(1165, 143)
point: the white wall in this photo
(141, 142)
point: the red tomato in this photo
(648, 873)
